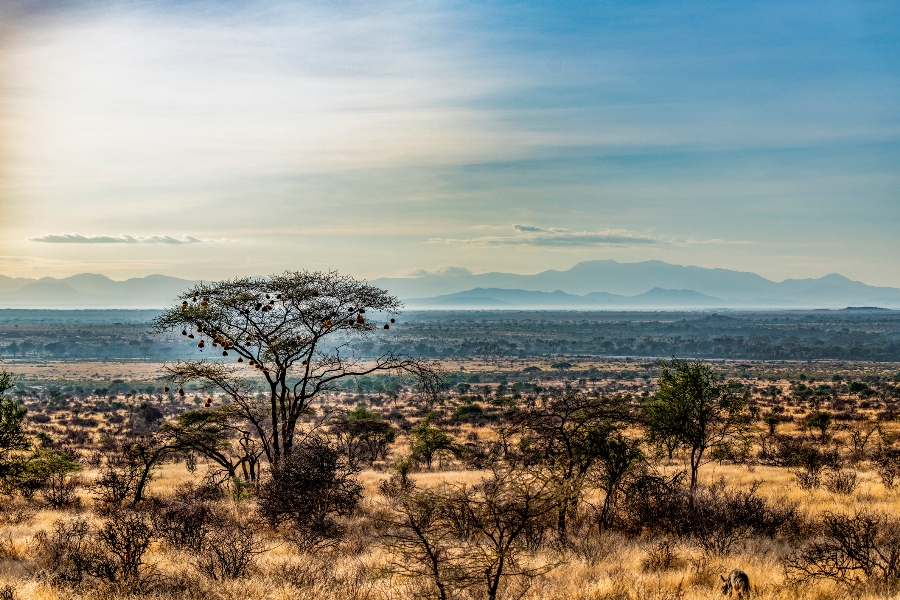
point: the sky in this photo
(208, 140)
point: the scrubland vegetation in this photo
(542, 477)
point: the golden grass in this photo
(596, 568)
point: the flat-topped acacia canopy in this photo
(295, 329)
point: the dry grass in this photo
(595, 567)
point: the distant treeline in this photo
(799, 335)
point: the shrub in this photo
(887, 464)
(713, 517)
(841, 481)
(468, 412)
(113, 553)
(184, 521)
(851, 549)
(65, 552)
(308, 488)
(228, 552)
(116, 483)
(660, 557)
(124, 539)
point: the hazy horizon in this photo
(444, 270)
(207, 140)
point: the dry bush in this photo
(229, 551)
(660, 557)
(307, 490)
(116, 484)
(841, 481)
(65, 552)
(887, 464)
(124, 539)
(183, 522)
(113, 553)
(471, 537)
(714, 517)
(62, 491)
(851, 550)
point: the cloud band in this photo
(77, 238)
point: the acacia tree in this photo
(296, 330)
(696, 410)
(220, 435)
(569, 436)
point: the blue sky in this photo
(210, 139)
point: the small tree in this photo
(617, 456)
(12, 420)
(364, 435)
(820, 420)
(695, 410)
(461, 537)
(569, 436)
(427, 441)
(220, 435)
(297, 331)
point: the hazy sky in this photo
(212, 139)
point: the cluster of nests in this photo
(217, 340)
(203, 302)
(226, 344)
(207, 404)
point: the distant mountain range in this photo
(480, 298)
(650, 284)
(600, 284)
(89, 290)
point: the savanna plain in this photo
(552, 455)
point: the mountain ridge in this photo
(632, 279)
(598, 283)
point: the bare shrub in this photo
(183, 521)
(463, 537)
(65, 552)
(660, 557)
(116, 483)
(841, 481)
(62, 491)
(851, 550)
(887, 463)
(229, 552)
(113, 553)
(124, 538)
(808, 479)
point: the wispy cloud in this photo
(528, 235)
(77, 238)
(451, 270)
